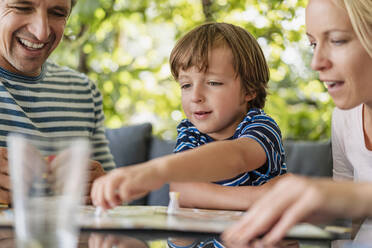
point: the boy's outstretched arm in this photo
(214, 196)
(212, 162)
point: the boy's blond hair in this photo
(248, 59)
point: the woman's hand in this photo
(294, 199)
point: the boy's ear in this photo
(250, 96)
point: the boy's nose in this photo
(197, 94)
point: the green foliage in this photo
(124, 45)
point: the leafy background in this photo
(124, 45)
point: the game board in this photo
(156, 218)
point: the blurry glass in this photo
(100, 240)
(47, 193)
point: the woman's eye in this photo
(312, 45)
(338, 42)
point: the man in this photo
(40, 99)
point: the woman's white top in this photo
(351, 159)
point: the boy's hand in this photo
(125, 184)
(5, 196)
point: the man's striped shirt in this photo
(53, 108)
(256, 125)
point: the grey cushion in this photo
(309, 158)
(129, 145)
(160, 148)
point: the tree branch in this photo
(207, 10)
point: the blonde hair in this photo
(248, 59)
(360, 14)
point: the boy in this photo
(223, 77)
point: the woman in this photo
(340, 32)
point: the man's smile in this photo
(30, 45)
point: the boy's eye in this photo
(214, 83)
(185, 86)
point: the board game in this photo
(157, 218)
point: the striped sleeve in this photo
(266, 132)
(99, 142)
(52, 109)
(188, 137)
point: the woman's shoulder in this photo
(347, 118)
(348, 114)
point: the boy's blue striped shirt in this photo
(58, 105)
(256, 125)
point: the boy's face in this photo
(214, 101)
(29, 31)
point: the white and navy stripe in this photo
(256, 125)
(53, 108)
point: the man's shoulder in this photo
(54, 70)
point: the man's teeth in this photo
(330, 83)
(31, 44)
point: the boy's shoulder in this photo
(256, 119)
(188, 132)
(255, 115)
(186, 125)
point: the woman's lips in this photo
(334, 86)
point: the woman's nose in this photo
(320, 60)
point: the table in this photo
(149, 238)
(151, 226)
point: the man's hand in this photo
(95, 171)
(5, 196)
